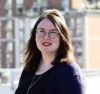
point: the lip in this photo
(46, 44)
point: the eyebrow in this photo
(44, 29)
(40, 29)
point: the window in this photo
(19, 2)
(92, 4)
(8, 7)
(8, 12)
(76, 25)
(66, 5)
(8, 3)
(20, 7)
(9, 29)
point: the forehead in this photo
(46, 24)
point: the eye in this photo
(53, 33)
(40, 33)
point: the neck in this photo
(45, 63)
(48, 58)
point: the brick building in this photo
(17, 18)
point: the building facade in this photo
(92, 33)
(17, 18)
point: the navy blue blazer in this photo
(60, 79)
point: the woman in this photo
(50, 66)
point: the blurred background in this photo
(17, 18)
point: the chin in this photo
(48, 52)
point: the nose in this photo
(46, 35)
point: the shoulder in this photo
(25, 75)
(69, 75)
(69, 69)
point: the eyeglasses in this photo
(53, 33)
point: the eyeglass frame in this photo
(50, 33)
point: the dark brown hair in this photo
(64, 54)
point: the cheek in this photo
(57, 43)
(38, 41)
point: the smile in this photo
(46, 44)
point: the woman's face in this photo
(47, 37)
